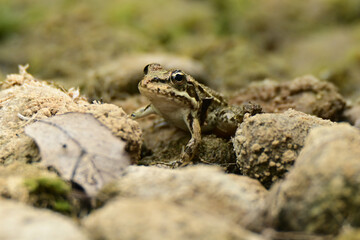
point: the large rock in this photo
(306, 94)
(19, 221)
(321, 192)
(147, 219)
(267, 145)
(227, 196)
(349, 234)
(352, 114)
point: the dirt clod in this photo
(267, 145)
(306, 94)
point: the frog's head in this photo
(155, 76)
(167, 86)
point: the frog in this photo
(189, 105)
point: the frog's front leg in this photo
(142, 112)
(192, 146)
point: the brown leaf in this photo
(80, 148)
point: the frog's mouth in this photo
(165, 95)
(156, 91)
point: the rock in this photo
(306, 94)
(349, 234)
(24, 98)
(352, 114)
(321, 193)
(214, 150)
(206, 188)
(19, 221)
(117, 79)
(266, 145)
(147, 219)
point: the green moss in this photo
(52, 193)
(62, 206)
(48, 185)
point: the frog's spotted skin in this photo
(189, 105)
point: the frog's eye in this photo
(178, 77)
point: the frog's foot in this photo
(142, 112)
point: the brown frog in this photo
(189, 105)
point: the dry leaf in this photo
(80, 148)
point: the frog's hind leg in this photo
(228, 118)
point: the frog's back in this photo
(207, 93)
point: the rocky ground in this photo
(291, 172)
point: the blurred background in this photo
(229, 43)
